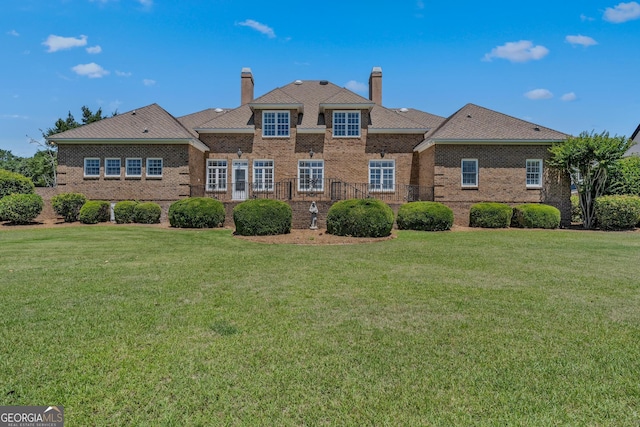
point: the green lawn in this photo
(126, 325)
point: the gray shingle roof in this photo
(195, 120)
(150, 122)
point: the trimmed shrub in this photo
(95, 211)
(576, 212)
(147, 213)
(262, 217)
(20, 208)
(360, 218)
(535, 215)
(196, 212)
(424, 216)
(123, 211)
(490, 215)
(617, 212)
(14, 183)
(68, 205)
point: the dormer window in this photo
(275, 123)
(346, 123)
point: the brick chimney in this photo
(246, 86)
(375, 85)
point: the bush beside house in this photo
(123, 211)
(147, 213)
(20, 208)
(14, 183)
(534, 215)
(360, 218)
(617, 212)
(95, 211)
(490, 215)
(424, 216)
(68, 205)
(262, 217)
(196, 212)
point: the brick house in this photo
(313, 141)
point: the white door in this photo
(240, 182)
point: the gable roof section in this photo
(195, 120)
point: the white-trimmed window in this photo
(133, 167)
(346, 123)
(154, 167)
(91, 167)
(469, 172)
(111, 167)
(534, 173)
(311, 175)
(275, 123)
(263, 175)
(382, 175)
(216, 175)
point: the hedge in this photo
(262, 217)
(123, 211)
(14, 183)
(424, 216)
(617, 212)
(360, 218)
(490, 215)
(147, 213)
(196, 212)
(535, 215)
(20, 208)
(68, 205)
(95, 211)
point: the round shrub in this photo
(424, 216)
(123, 211)
(490, 215)
(196, 212)
(94, 211)
(20, 208)
(11, 182)
(576, 211)
(147, 213)
(262, 217)
(617, 212)
(68, 205)
(534, 215)
(360, 218)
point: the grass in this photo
(148, 326)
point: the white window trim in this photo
(147, 167)
(267, 187)
(346, 124)
(126, 167)
(475, 185)
(84, 168)
(393, 182)
(316, 189)
(276, 112)
(541, 165)
(106, 168)
(220, 188)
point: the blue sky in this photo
(569, 65)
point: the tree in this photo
(588, 158)
(624, 178)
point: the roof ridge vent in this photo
(537, 129)
(298, 82)
(324, 82)
(133, 113)
(403, 110)
(218, 110)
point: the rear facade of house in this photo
(313, 141)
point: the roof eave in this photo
(276, 106)
(398, 131)
(122, 141)
(225, 130)
(348, 106)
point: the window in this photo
(133, 167)
(263, 175)
(154, 168)
(91, 167)
(275, 123)
(311, 175)
(469, 172)
(534, 172)
(346, 123)
(216, 175)
(382, 175)
(112, 167)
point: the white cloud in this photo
(13, 33)
(148, 82)
(568, 97)
(122, 74)
(356, 86)
(581, 40)
(94, 49)
(92, 70)
(14, 117)
(520, 51)
(262, 28)
(623, 12)
(584, 18)
(539, 94)
(56, 43)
